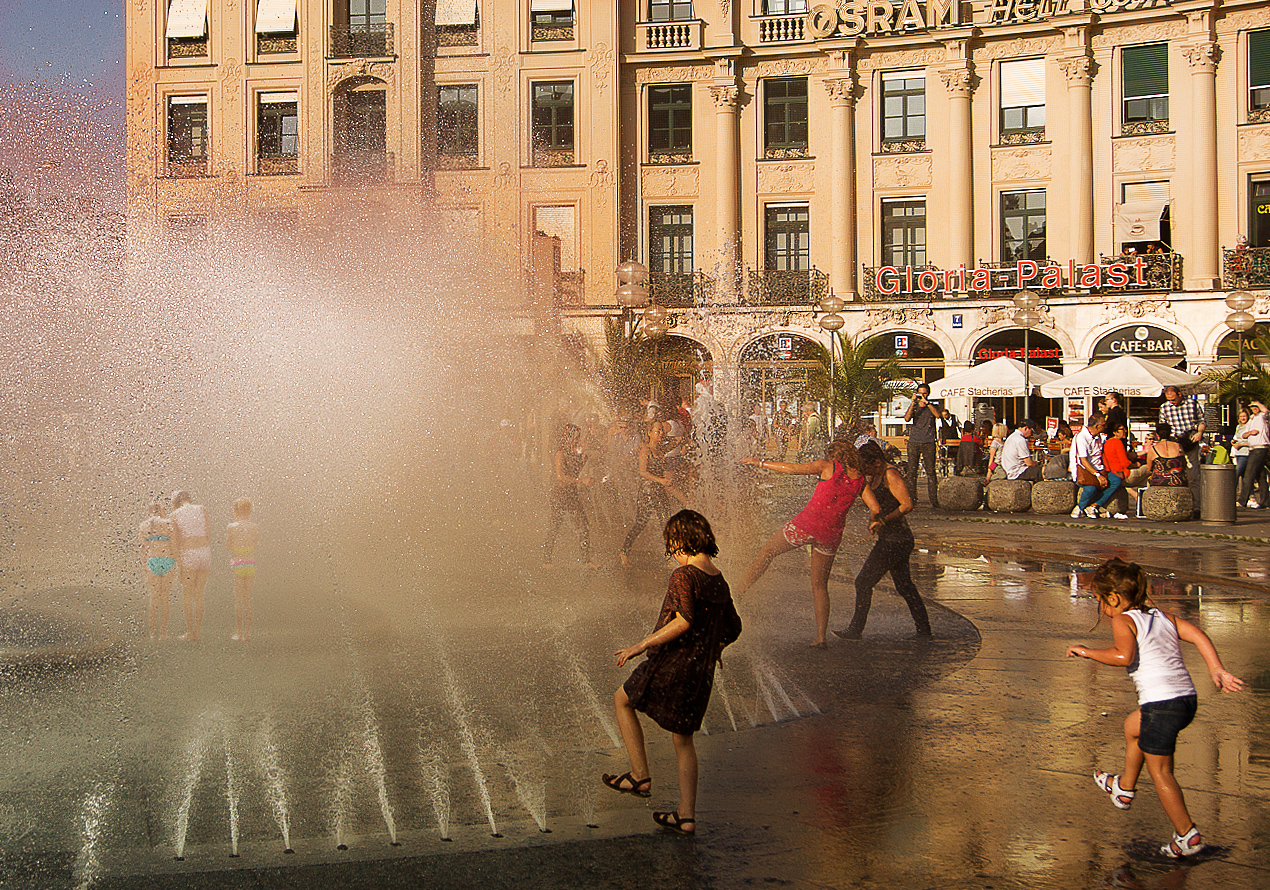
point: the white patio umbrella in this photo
(1128, 375)
(1001, 378)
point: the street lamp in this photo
(1027, 305)
(1240, 320)
(632, 289)
(831, 322)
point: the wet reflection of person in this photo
(673, 685)
(893, 548)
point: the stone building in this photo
(922, 160)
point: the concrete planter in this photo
(960, 493)
(1009, 496)
(1053, 496)
(1162, 503)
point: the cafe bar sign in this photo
(1144, 341)
(877, 18)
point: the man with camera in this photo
(921, 441)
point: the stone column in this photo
(727, 187)
(1201, 261)
(1079, 71)
(842, 187)
(961, 221)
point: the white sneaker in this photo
(1076, 512)
(1092, 512)
(1120, 516)
(1184, 844)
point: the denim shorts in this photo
(1162, 721)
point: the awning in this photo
(275, 17)
(456, 12)
(551, 5)
(187, 18)
(1139, 221)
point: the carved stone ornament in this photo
(1018, 48)
(779, 179)
(902, 171)
(1140, 155)
(678, 74)
(503, 179)
(841, 90)
(670, 182)
(991, 316)
(917, 58)
(601, 66)
(899, 316)
(1079, 70)
(791, 67)
(725, 96)
(230, 72)
(1254, 143)
(1152, 33)
(957, 81)
(1138, 309)
(505, 66)
(1202, 56)
(602, 177)
(359, 68)
(1021, 164)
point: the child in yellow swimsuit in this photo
(242, 538)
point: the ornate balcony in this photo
(1163, 270)
(187, 47)
(267, 44)
(364, 168)
(782, 29)
(656, 37)
(570, 289)
(1245, 267)
(681, 291)
(362, 41)
(800, 287)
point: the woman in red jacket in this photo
(1115, 457)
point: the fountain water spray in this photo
(342, 800)
(435, 778)
(94, 811)
(270, 767)
(374, 755)
(467, 741)
(195, 752)
(602, 715)
(231, 794)
(532, 793)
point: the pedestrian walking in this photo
(1147, 641)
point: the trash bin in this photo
(1217, 505)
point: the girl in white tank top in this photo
(1148, 642)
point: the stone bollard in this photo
(1120, 503)
(1167, 503)
(1009, 496)
(1053, 496)
(960, 492)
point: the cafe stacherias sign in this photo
(878, 18)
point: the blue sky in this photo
(78, 43)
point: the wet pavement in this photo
(887, 762)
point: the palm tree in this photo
(862, 375)
(627, 367)
(1250, 381)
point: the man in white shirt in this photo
(1016, 454)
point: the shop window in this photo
(1145, 88)
(670, 123)
(1022, 101)
(904, 232)
(1023, 226)
(187, 136)
(785, 117)
(903, 111)
(553, 124)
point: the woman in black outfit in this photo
(893, 548)
(568, 461)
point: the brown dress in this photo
(673, 684)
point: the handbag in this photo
(1084, 477)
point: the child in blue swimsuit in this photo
(155, 535)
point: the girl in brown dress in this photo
(673, 685)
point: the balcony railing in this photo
(1245, 267)
(276, 43)
(187, 47)
(795, 287)
(457, 35)
(363, 168)
(669, 36)
(570, 289)
(277, 166)
(1163, 271)
(782, 29)
(681, 291)
(552, 32)
(361, 41)
(554, 157)
(1143, 128)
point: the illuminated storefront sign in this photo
(892, 280)
(1143, 340)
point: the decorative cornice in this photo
(1139, 309)
(898, 316)
(677, 74)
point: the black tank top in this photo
(887, 504)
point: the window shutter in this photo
(278, 98)
(1258, 59)
(1022, 83)
(1157, 192)
(551, 6)
(1146, 70)
(275, 17)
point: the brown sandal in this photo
(639, 787)
(674, 822)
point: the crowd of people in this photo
(177, 543)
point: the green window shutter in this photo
(1146, 70)
(1259, 58)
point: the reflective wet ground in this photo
(882, 763)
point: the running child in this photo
(1148, 642)
(673, 685)
(242, 538)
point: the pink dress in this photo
(822, 520)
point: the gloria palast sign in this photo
(876, 18)
(892, 280)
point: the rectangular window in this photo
(670, 253)
(278, 134)
(670, 122)
(1023, 226)
(904, 232)
(458, 22)
(1022, 99)
(785, 117)
(788, 246)
(276, 30)
(784, 7)
(187, 135)
(552, 19)
(553, 124)
(187, 29)
(458, 131)
(1259, 73)
(1260, 225)
(1145, 79)
(365, 32)
(904, 109)
(669, 10)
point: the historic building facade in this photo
(922, 160)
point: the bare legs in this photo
(685, 754)
(1160, 766)
(772, 548)
(242, 607)
(192, 584)
(821, 566)
(160, 587)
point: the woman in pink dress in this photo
(820, 523)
